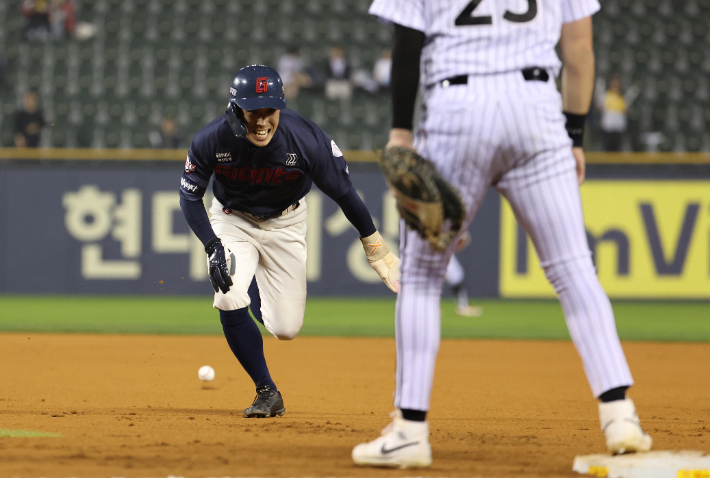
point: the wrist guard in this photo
(575, 128)
(382, 260)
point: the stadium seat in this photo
(155, 52)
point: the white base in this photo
(655, 464)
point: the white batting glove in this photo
(382, 260)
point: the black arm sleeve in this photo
(357, 213)
(406, 55)
(197, 219)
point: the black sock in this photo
(613, 395)
(413, 415)
(244, 338)
(255, 306)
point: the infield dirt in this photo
(133, 406)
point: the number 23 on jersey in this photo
(466, 18)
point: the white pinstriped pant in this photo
(504, 131)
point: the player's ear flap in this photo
(235, 116)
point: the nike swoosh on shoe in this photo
(385, 451)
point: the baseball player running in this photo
(264, 159)
(493, 116)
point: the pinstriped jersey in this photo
(478, 37)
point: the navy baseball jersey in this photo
(263, 181)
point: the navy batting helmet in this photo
(253, 87)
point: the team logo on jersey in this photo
(336, 151)
(223, 157)
(189, 167)
(291, 159)
(258, 175)
(226, 211)
(262, 85)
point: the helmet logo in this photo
(261, 84)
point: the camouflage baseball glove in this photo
(426, 201)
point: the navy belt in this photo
(530, 74)
(289, 209)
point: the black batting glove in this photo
(218, 273)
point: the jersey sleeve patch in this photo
(336, 151)
(189, 167)
(327, 167)
(188, 186)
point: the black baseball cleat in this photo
(268, 403)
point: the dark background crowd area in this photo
(141, 74)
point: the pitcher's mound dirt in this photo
(133, 406)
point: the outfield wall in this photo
(115, 227)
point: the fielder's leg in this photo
(459, 135)
(542, 187)
(460, 144)
(405, 442)
(549, 208)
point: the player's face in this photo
(261, 125)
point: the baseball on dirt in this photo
(206, 373)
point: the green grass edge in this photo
(667, 321)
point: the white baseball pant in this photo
(273, 250)
(504, 131)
